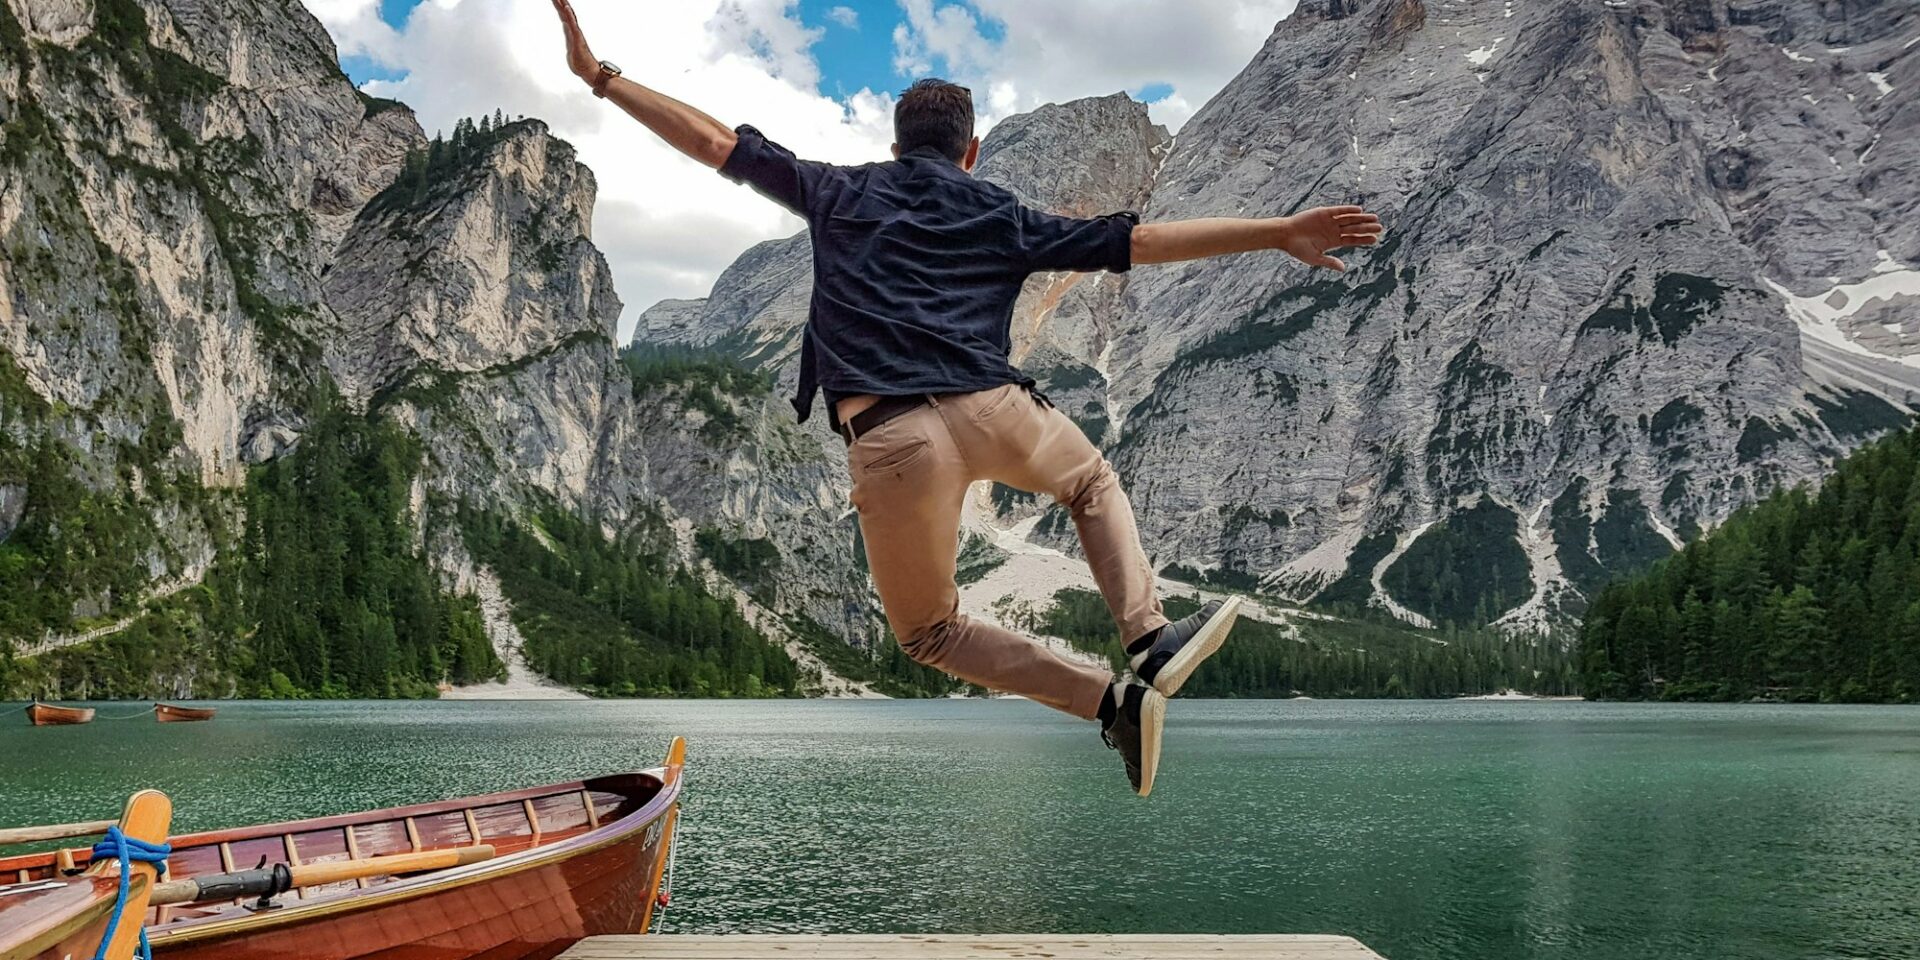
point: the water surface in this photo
(1432, 830)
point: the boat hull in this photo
(531, 914)
(573, 860)
(171, 713)
(48, 715)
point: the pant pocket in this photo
(892, 448)
(998, 399)
(898, 458)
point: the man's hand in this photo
(1309, 235)
(580, 58)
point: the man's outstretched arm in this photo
(1308, 236)
(688, 130)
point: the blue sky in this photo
(361, 68)
(859, 57)
(854, 53)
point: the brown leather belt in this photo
(886, 409)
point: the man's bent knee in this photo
(930, 643)
(1090, 486)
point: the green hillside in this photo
(1804, 596)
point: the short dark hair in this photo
(934, 113)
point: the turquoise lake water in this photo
(1431, 830)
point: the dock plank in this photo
(972, 947)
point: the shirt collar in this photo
(929, 153)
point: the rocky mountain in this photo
(1647, 260)
(213, 243)
(172, 187)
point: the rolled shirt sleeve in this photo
(1050, 242)
(772, 170)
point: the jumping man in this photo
(916, 265)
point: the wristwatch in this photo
(607, 72)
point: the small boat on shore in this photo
(48, 715)
(174, 713)
(564, 861)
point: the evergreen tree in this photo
(1371, 659)
(346, 604)
(1804, 596)
(618, 617)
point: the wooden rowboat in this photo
(48, 715)
(61, 917)
(573, 860)
(174, 713)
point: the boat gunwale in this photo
(80, 918)
(383, 814)
(198, 929)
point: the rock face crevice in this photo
(1645, 263)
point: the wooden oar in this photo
(279, 878)
(57, 831)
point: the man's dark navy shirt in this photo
(916, 265)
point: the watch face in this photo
(607, 66)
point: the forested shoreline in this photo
(1805, 596)
(328, 593)
(1349, 658)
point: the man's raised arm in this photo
(1308, 236)
(688, 130)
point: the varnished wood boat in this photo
(174, 713)
(573, 860)
(64, 916)
(49, 715)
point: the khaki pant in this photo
(910, 479)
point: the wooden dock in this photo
(942, 947)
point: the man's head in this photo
(935, 113)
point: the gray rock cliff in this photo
(1573, 339)
(204, 223)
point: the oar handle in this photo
(319, 874)
(57, 831)
(279, 878)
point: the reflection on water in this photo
(1456, 830)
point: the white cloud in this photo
(356, 26)
(669, 225)
(949, 33)
(1042, 52)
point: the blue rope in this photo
(128, 851)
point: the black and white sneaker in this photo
(1168, 656)
(1131, 719)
